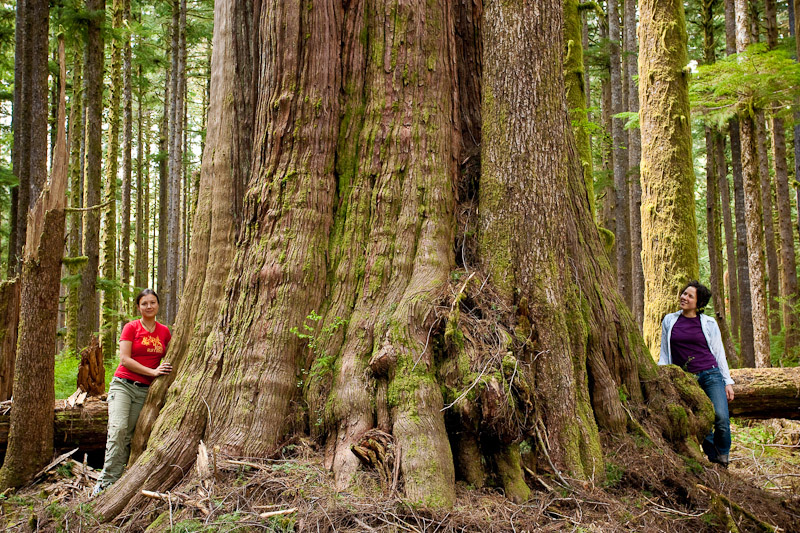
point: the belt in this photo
(133, 382)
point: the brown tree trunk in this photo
(667, 170)
(347, 233)
(753, 211)
(31, 433)
(731, 272)
(607, 212)
(620, 155)
(766, 393)
(773, 273)
(788, 270)
(9, 310)
(142, 225)
(163, 192)
(127, 140)
(22, 126)
(82, 427)
(88, 312)
(634, 160)
(173, 230)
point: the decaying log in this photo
(74, 427)
(91, 374)
(766, 393)
(9, 320)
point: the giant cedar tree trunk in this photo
(349, 210)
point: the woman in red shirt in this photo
(142, 344)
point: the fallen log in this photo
(82, 427)
(766, 393)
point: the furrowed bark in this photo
(771, 254)
(669, 235)
(731, 273)
(88, 311)
(620, 154)
(127, 139)
(753, 209)
(9, 310)
(31, 433)
(634, 160)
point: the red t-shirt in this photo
(146, 348)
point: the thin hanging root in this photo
(736, 507)
(542, 446)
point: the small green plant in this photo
(65, 470)
(315, 339)
(614, 475)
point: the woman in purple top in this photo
(693, 341)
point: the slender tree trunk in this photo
(22, 128)
(110, 307)
(773, 273)
(12, 229)
(574, 72)
(163, 192)
(619, 137)
(178, 81)
(142, 220)
(753, 211)
(30, 438)
(76, 262)
(794, 9)
(731, 274)
(88, 310)
(789, 288)
(742, 266)
(666, 168)
(634, 159)
(127, 139)
(607, 214)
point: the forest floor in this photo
(644, 490)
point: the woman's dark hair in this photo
(703, 294)
(144, 293)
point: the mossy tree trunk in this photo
(574, 79)
(753, 208)
(620, 157)
(634, 161)
(110, 306)
(74, 266)
(788, 270)
(31, 432)
(669, 234)
(127, 161)
(95, 56)
(348, 162)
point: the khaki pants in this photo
(125, 402)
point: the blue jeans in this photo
(718, 441)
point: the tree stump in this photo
(91, 373)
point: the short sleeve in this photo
(128, 332)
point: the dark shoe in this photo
(722, 460)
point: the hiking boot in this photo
(722, 460)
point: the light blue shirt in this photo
(713, 338)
